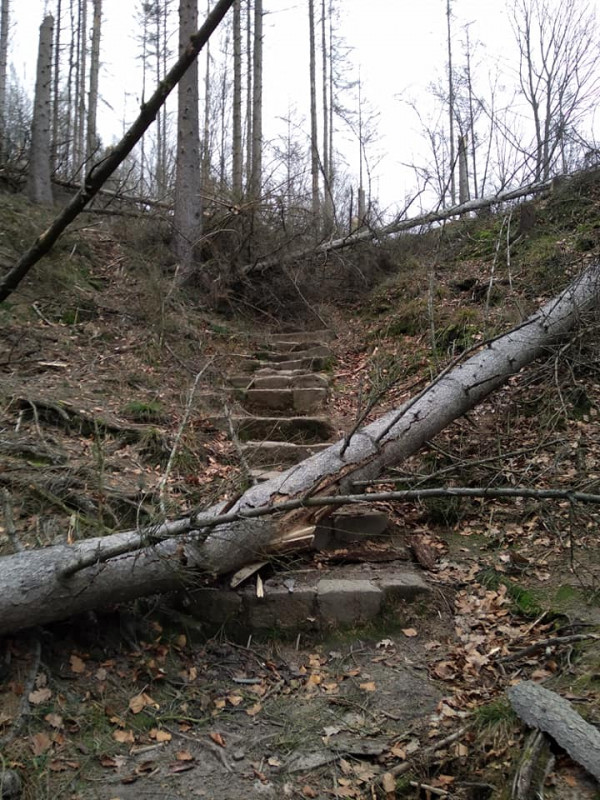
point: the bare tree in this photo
(314, 147)
(237, 165)
(188, 222)
(450, 104)
(558, 52)
(4, 34)
(39, 186)
(257, 91)
(92, 134)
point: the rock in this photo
(348, 601)
(325, 335)
(304, 430)
(282, 608)
(300, 401)
(403, 585)
(215, 606)
(274, 454)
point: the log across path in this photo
(52, 583)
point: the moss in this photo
(144, 410)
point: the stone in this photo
(403, 585)
(280, 608)
(310, 380)
(308, 400)
(276, 454)
(269, 399)
(348, 601)
(215, 606)
(304, 430)
(325, 335)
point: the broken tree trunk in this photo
(551, 713)
(55, 582)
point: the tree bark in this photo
(40, 187)
(52, 583)
(92, 134)
(314, 146)
(551, 713)
(236, 169)
(188, 222)
(257, 92)
(101, 171)
(4, 32)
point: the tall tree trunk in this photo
(206, 154)
(56, 152)
(92, 135)
(328, 212)
(4, 35)
(314, 146)
(257, 92)
(249, 94)
(237, 166)
(463, 170)
(451, 107)
(51, 583)
(80, 111)
(39, 187)
(188, 222)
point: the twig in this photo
(214, 749)
(238, 448)
(163, 481)
(400, 769)
(534, 648)
(199, 523)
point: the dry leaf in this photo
(184, 755)
(217, 739)
(235, 699)
(410, 632)
(369, 686)
(160, 736)
(254, 710)
(40, 742)
(308, 791)
(40, 696)
(388, 783)
(140, 701)
(77, 664)
(54, 719)
(124, 737)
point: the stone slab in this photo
(299, 430)
(276, 454)
(348, 601)
(281, 608)
(299, 401)
(404, 585)
(325, 335)
(316, 364)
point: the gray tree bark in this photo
(92, 134)
(39, 185)
(548, 711)
(188, 223)
(4, 33)
(314, 145)
(257, 102)
(237, 167)
(52, 583)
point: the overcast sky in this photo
(398, 45)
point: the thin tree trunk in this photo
(451, 106)
(237, 166)
(105, 168)
(206, 154)
(4, 35)
(257, 90)
(249, 62)
(51, 583)
(463, 170)
(188, 222)
(81, 86)
(92, 135)
(55, 153)
(40, 188)
(314, 147)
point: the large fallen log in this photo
(53, 583)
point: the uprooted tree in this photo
(53, 583)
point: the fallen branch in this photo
(556, 640)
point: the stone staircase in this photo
(284, 394)
(282, 397)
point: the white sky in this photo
(399, 46)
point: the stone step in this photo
(292, 347)
(279, 379)
(297, 401)
(349, 525)
(320, 351)
(326, 335)
(299, 430)
(313, 363)
(279, 454)
(308, 600)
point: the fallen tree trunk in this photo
(55, 582)
(398, 226)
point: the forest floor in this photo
(97, 358)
